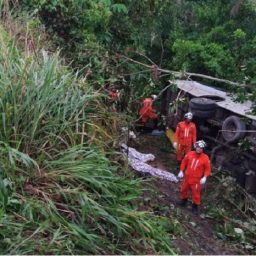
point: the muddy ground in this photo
(200, 234)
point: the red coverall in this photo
(147, 111)
(113, 96)
(186, 136)
(196, 166)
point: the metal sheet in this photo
(224, 99)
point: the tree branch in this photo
(187, 75)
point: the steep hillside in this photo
(59, 194)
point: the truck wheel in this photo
(203, 113)
(202, 104)
(233, 129)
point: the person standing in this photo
(196, 167)
(147, 111)
(186, 136)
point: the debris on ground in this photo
(138, 162)
(219, 229)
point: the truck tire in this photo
(203, 113)
(202, 104)
(233, 129)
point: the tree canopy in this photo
(214, 38)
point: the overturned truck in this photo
(226, 125)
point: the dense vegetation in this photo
(210, 37)
(63, 189)
(59, 194)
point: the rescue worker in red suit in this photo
(196, 167)
(147, 110)
(186, 135)
(113, 95)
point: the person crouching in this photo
(148, 112)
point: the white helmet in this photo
(200, 144)
(153, 96)
(188, 115)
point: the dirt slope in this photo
(192, 234)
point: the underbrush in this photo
(59, 193)
(233, 211)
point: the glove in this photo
(175, 144)
(203, 180)
(180, 175)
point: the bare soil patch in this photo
(191, 234)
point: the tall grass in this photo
(59, 194)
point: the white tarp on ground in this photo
(138, 161)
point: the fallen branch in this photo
(175, 73)
(217, 79)
(186, 75)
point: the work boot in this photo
(183, 202)
(195, 209)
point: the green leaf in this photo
(119, 8)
